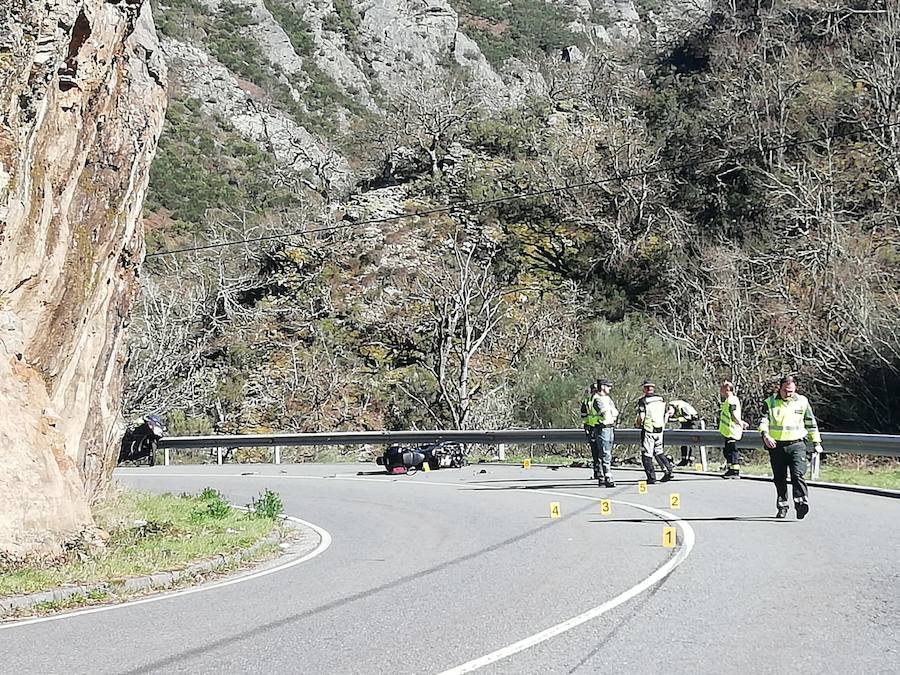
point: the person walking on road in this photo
(589, 420)
(731, 426)
(786, 426)
(651, 420)
(688, 417)
(605, 430)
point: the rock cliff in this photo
(82, 99)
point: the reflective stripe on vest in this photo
(684, 411)
(654, 407)
(592, 419)
(727, 426)
(792, 419)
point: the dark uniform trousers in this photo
(789, 457)
(593, 434)
(688, 424)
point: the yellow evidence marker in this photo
(426, 466)
(669, 538)
(526, 463)
(605, 507)
(674, 501)
(698, 468)
(642, 487)
(554, 509)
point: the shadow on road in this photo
(393, 586)
(572, 483)
(698, 519)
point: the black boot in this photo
(667, 466)
(605, 474)
(649, 468)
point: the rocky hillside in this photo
(331, 118)
(82, 98)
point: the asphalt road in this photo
(428, 572)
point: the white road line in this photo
(323, 545)
(687, 544)
(526, 643)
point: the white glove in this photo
(817, 448)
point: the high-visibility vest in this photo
(654, 408)
(790, 419)
(727, 426)
(608, 414)
(591, 419)
(684, 411)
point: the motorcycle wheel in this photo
(152, 458)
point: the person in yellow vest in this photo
(731, 426)
(605, 429)
(786, 427)
(589, 420)
(651, 420)
(688, 418)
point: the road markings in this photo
(687, 544)
(661, 573)
(324, 543)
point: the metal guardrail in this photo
(862, 444)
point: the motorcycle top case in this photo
(397, 457)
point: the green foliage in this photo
(626, 352)
(513, 29)
(294, 25)
(344, 20)
(202, 165)
(176, 18)
(267, 505)
(230, 389)
(212, 506)
(180, 424)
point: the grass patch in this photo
(871, 476)
(150, 533)
(871, 473)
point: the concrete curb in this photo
(305, 542)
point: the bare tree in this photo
(432, 114)
(475, 330)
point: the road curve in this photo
(429, 572)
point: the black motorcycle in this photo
(142, 441)
(443, 454)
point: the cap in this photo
(603, 382)
(648, 383)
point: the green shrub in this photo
(213, 506)
(518, 27)
(267, 505)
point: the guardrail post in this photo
(703, 459)
(278, 454)
(501, 452)
(218, 455)
(166, 457)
